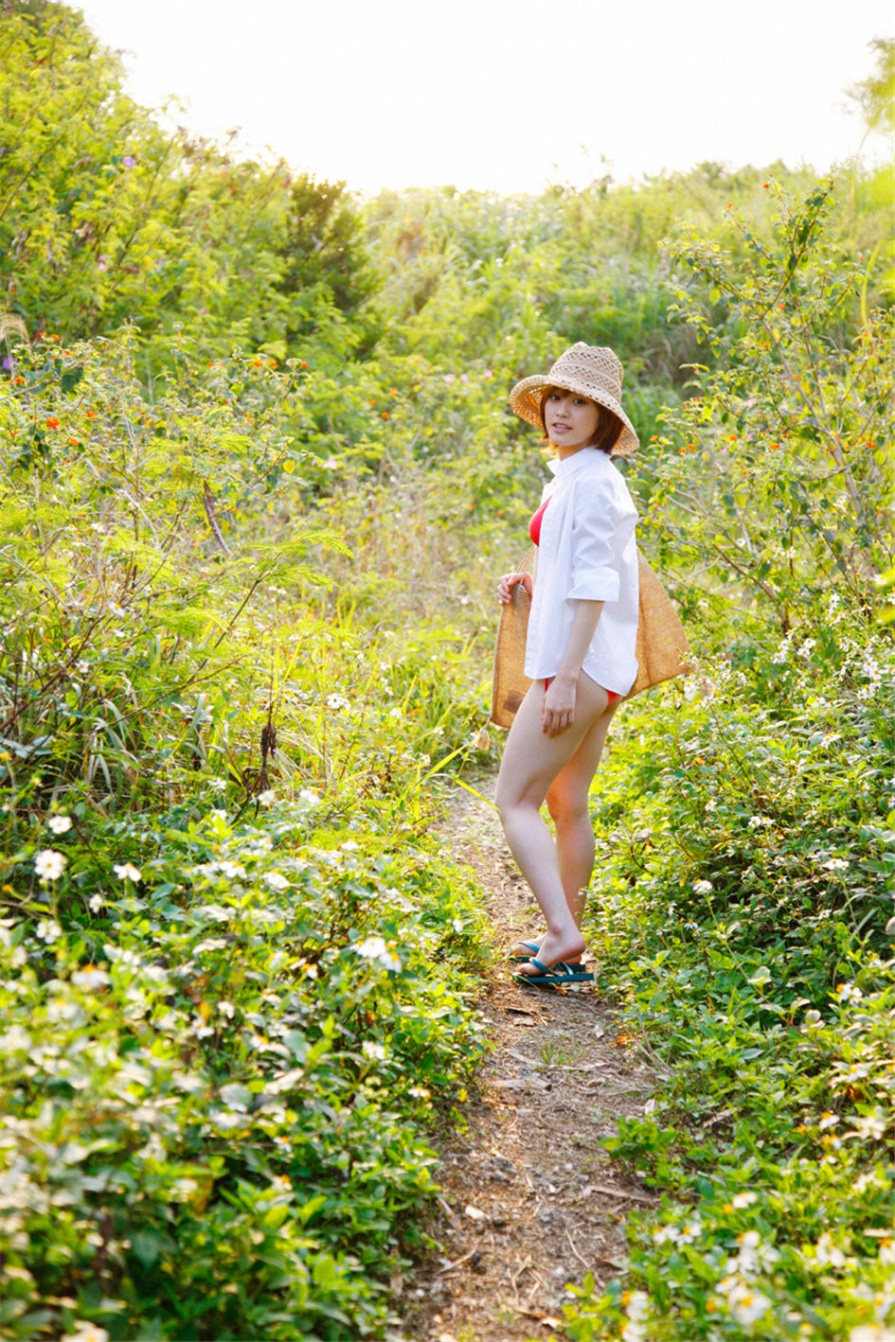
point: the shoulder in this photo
(600, 482)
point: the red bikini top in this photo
(534, 526)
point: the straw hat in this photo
(591, 370)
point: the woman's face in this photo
(570, 420)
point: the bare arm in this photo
(558, 711)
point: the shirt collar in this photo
(576, 462)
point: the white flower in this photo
(375, 948)
(702, 887)
(637, 1311)
(871, 1125)
(49, 864)
(309, 797)
(336, 702)
(47, 930)
(836, 864)
(267, 798)
(745, 1303)
(86, 1332)
(224, 1120)
(15, 1040)
(419, 1092)
(753, 1254)
(376, 1052)
(276, 880)
(349, 846)
(90, 978)
(871, 1332)
(805, 649)
(827, 1253)
(96, 902)
(126, 871)
(744, 1199)
(231, 870)
(372, 948)
(59, 824)
(458, 925)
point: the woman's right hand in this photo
(508, 582)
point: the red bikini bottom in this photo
(611, 695)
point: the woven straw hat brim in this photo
(525, 399)
(591, 370)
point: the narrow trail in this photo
(529, 1200)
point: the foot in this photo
(528, 950)
(553, 949)
(559, 975)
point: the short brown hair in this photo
(609, 426)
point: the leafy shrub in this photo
(746, 879)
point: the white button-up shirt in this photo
(587, 552)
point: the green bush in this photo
(747, 874)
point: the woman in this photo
(580, 648)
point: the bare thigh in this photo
(532, 759)
(571, 786)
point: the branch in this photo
(211, 513)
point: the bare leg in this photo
(532, 761)
(567, 802)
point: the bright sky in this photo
(506, 95)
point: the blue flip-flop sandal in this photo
(554, 976)
(533, 947)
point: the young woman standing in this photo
(580, 647)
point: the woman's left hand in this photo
(558, 711)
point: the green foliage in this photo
(218, 1068)
(779, 484)
(327, 261)
(875, 95)
(104, 218)
(747, 868)
(747, 873)
(238, 973)
(258, 475)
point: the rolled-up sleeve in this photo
(594, 569)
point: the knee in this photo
(566, 809)
(503, 800)
(510, 801)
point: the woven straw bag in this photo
(662, 647)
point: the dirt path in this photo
(529, 1201)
